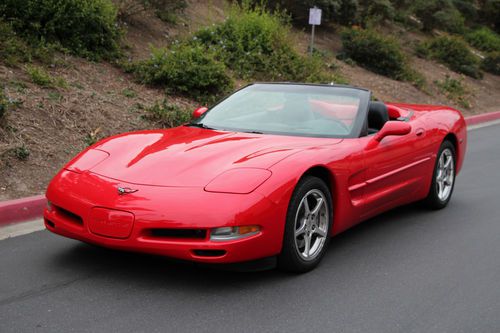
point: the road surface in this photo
(409, 270)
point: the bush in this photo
(86, 27)
(453, 52)
(39, 76)
(491, 63)
(344, 12)
(375, 52)
(439, 14)
(13, 50)
(375, 11)
(167, 115)
(4, 103)
(455, 90)
(484, 39)
(185, 68)
(256, 44)
(164, 9)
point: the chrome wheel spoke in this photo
(318, 206)
(311, 224)
(302, 229)
(320, 232)
(307, 246)
(445, 174)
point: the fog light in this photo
(232, 233)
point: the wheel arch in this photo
(326, 175)
(451, 137)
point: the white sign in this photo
(315, 16)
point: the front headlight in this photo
(238, 180)
(232, 233)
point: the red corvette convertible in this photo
(272, 171)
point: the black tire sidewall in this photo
(289, 259)
(433, 200)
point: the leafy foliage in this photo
(185, 68)
(484, 39)
(453, 52)
(375, 52)
(439, 14)
(455, 90)
(167, 114)
(164, 9)
(4, 103)
(491, 63)
(256, 44)
(85, 27)
(42, 78)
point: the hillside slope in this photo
(48, 126)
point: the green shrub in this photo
(375, 11)
(21, 153)
(185, 68)
(167, 115)
(453, 52)
(86, 27)
(255, 43)
(439, 14)
(344, 12)
(42, 78)
(4, 103)
(455, 90)
(484, 39)
(491, 63)
(13, 50)
(375, 52)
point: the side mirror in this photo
(392, 128)
(199, 112)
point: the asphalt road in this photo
(409, 270)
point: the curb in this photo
(21, 210)
(482, 118)
(25, 209)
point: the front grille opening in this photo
(209, 253)
(178, 233)
(72, 217)
(50, 223)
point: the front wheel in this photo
(307, 227)
(443, 179)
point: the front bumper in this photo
(75, 197)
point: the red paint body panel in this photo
(192, 178)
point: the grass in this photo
(129, 93)
(454, 90)
(41, 77)
(167, 114)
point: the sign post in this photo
(314, 20)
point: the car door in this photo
(395, 170)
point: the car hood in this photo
(189, 156)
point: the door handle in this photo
(419, 132)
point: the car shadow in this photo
(150, 271)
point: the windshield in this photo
(305, 110)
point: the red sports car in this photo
(272, 171)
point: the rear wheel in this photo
(443, 179)
(307, 227)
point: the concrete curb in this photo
(482, 118)
(25, 209)
(21, 210)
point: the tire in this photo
(437, 198)
(306, 226)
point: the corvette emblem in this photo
(126, 190)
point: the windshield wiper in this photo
(253, 132)
(200, 125)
